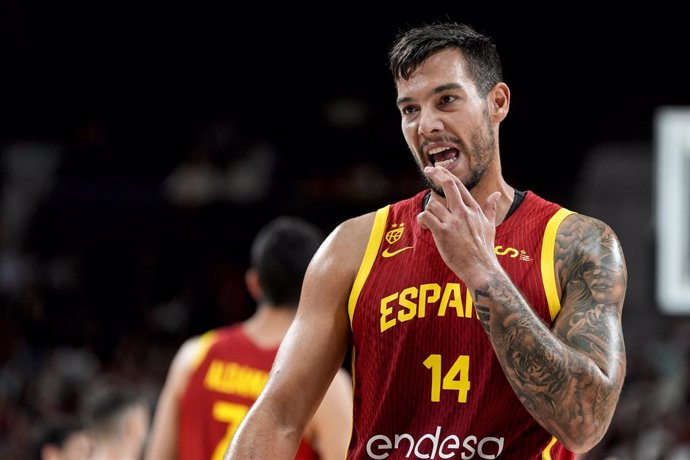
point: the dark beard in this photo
(481, 150)
(469, 184)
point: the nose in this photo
(429, 122)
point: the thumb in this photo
(490, 207)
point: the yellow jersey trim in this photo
(548, 267)
(546, 453)
(373, 246)
(352, 366)
(205, 342)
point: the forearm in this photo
(563, 388)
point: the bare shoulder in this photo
(186, 359)
(585, 228)
(589, 251)
(190, 349)
(346, 244)
(354, 232)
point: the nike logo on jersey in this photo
(386, 253)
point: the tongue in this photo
(445, 155)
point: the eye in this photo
(408, 109)
(447, 99)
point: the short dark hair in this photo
(412, 47)
(107, 402)
(55, 431)
(280, 254)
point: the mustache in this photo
(443, 138)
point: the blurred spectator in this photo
(223, 167)
(62, 438)
(28, 170)
(118, 419)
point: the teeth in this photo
(437, 150)
(444, 163)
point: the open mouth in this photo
(443, 156)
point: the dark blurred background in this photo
(141, 147)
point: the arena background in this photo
(142, 147)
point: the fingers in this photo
(422, 221)
(442, 178)
(438, 210)
(457, 195)
(434, 214)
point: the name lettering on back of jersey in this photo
(235, 379)
(393, 236)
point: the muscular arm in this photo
(311, 353)
(568, 377)
(162, 444)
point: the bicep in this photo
(593, 277)
(162, 444)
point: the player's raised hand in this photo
(463, 230)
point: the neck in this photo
(504, 203)
(491, 182)
(268, 325)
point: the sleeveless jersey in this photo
(427, 381)
(230, 373)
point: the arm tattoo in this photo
(570, 377)
(483, 311)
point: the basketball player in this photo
(215, 378)
(484, 321)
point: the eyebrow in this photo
(437, 90)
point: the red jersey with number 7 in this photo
(427, 381)
(226, 382)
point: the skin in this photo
(128, 439)
(266, 328)
(76, 447)
(568, 377)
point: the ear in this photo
(499, 102)
(251, 279)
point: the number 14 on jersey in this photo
(455, 379)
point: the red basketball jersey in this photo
(427, 381)
(230, 374)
